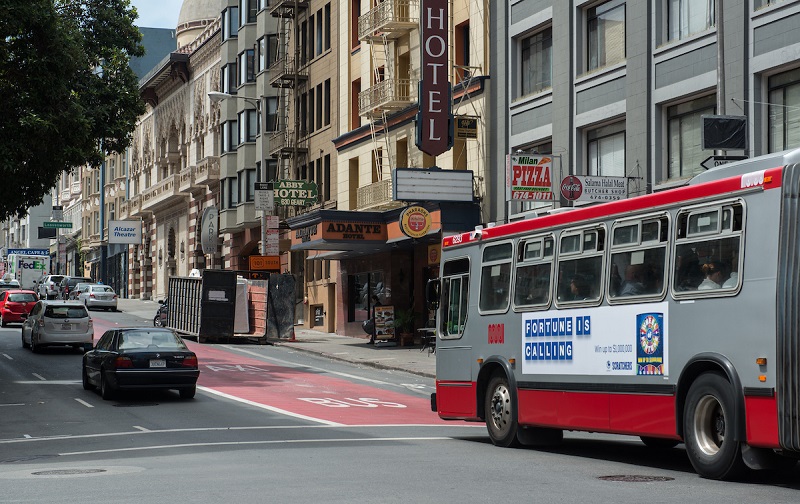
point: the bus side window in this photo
(495, 278)
(707, 252)
(454, 296)
(580, 269)
(638, 258)
(532, 284)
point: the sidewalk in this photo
(343, 348)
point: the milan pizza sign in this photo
(434, 121)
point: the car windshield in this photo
(163, 340)
(22, 297)
(66, 312)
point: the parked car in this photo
(58, 323)
(160, 320)
(98, 296)
(140, 358)
(48, 286)
(68, 283)
(15, 305)
(9, 284)
(79, 287)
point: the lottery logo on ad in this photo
(650, 347)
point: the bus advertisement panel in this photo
(670, 316)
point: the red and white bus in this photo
(671, 316)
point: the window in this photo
(462, 51)
(249, 9)
(355, 90)
(327, 26)
(272, 49)
(708, 250)
(685, 152)
(306, 45)
(250, 184)
(687, 17)
(326, 114)
(536, 54)
(454, 296)
(363, 289)
(318, 106)
(272, 114)
(784, 111)
(261, 54)
(319, 37)
(230, 23)
(606, 34)
(355, 12)
(495, 278)
(326, 181)
(227, 77)
(638, 258)
(230, 136)
(233, 191)
(532, 286)
(247, 64)
(606, 151)
(580, 266)
(248, 125)
(311, 118)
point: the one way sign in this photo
(714, 161)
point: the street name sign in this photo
(57, 224)
(714, 161)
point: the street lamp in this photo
(217, 96)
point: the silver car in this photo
(48, 286)
(98, 296)
(58, 323)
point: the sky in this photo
(157, 13)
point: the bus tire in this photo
(539, 436)
(707, 425)
(501, 414)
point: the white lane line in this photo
(84, 403)
(251, 443)
(48, 382)
(39, 376)
(302, 366)
(7, 356)
(141, 428)
(13, 404)
(269, 408)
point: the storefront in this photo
(377, 263)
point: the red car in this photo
(16, 305)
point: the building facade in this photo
(615, 88)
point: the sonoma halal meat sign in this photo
(435, 118)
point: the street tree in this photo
(67, 93)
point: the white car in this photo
(48, 285)
(58, 323)
(98, 296)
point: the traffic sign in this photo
(714, 161)
(57, 224)
(265, 197)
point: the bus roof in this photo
(764, 171)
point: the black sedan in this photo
(140, 358)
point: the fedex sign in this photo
(434, 121)
(33, 265)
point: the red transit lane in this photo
(323, 398)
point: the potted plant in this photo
(404, 325)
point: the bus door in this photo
(453, 352)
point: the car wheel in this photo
(188, 392)
(3, 322)
(24, 345)
(106, 392)
(86, 383)
(157, 321)
(34, 346)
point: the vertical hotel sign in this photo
(434, 121)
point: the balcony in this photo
(282, 144)
(76, 188)
(163, 195)
(169, 159)
(377, 196)
(285, 8)
(284, 72)
(187, 182)
(385, 96)
(389, 19)
(65, 195)
(207, 171)
(132, 207)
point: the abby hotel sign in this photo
(434, 120)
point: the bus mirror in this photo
(432, 294)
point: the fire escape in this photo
(287, 75)
(392, 90)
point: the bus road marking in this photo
(84, 403)
(269, 408)
(349, 402)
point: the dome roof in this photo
(198, 10)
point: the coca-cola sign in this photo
(571, 188)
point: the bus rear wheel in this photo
(708, 428)
(500, 412)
